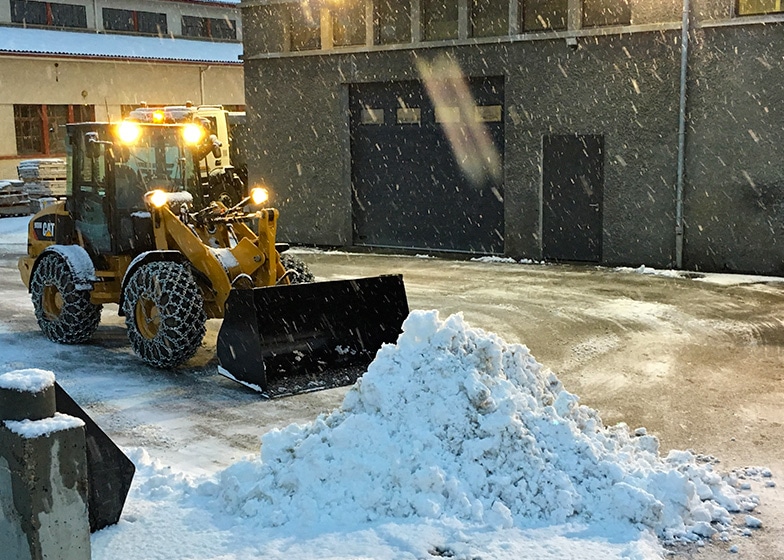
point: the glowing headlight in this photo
(192, 133)
(158, 198)
(258, 196)
(158, 117)
(129, 132)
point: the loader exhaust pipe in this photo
(274, 335)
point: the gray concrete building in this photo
(558, 130)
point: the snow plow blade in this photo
(298, 338)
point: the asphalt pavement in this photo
(697, 363)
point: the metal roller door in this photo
(409, 190)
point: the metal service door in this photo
(409, 190)
(572, 187)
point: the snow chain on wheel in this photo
(164, 313)
(64, 314)
(298, 271)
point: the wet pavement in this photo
(698, 364)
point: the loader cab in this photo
(111, 167)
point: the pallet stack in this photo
(13, 199)
(43, 179)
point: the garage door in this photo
(410, 191)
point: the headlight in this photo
(258, 196)
(158, 198)
(192, 133)
(129, 132)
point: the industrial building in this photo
(75, 60)
(620, 132)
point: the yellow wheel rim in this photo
(53, 302)
(148, 318)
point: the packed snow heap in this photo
(452, 422)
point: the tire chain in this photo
(299, 273)
(79, 318)
(182, 319)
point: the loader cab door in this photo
(89, 201)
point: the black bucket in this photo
(310, 330)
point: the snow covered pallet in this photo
(13, 200)
(45, 188)
(31, 170)
(43, 177)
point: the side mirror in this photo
(92, 145)
(216, 146)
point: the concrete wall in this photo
(107, 85)
(622, 87)
(734, 198)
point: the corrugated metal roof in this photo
(19, 40)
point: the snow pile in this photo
(453, 423)
(642, 269)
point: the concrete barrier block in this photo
(43, 482)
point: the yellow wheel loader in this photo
(128, 233)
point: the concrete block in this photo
(43, 479)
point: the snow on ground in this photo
(454, 444)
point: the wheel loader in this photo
(128, 233)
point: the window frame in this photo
(135, 21)
(738, 13)
(606, 23)
(40, 120)
(206, 23)
(51, 15)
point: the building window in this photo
(40, 128)
(209, 28)
(393, 21)
(348, 24)
(132, 21)
(439, 19)
(541, 15)
(597, 13)
(304, 28)
(489, 18)
(48, 14)
(759, 7)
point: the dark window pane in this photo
(28, 125)
(84, 113)
(117, 20)
(152, 23)
(68, 15)
(348, 24)
(757, 7)
(223, 29)
(305, 28)
(597, 13)
(539, 15)
(393, 21)
(439, 19)
(489, 18)
(194, 26)
(57, 116)
(28, 13)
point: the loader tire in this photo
(64, 314)
(299, 273)
(164, 313)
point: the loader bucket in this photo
(297, 338)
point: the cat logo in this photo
(44, 230)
